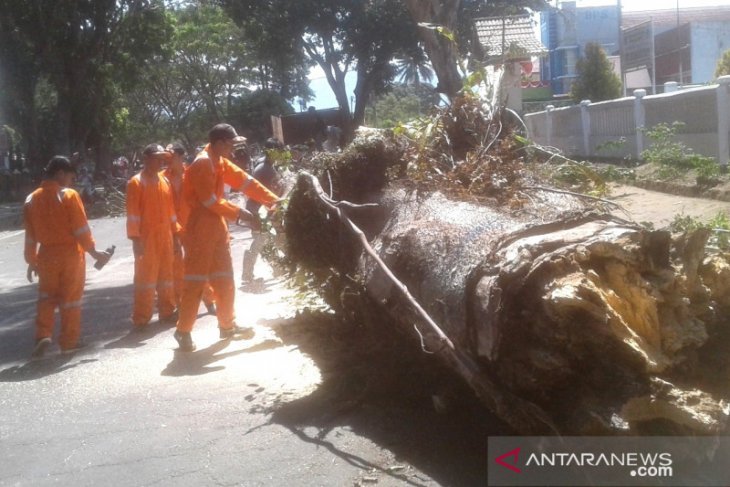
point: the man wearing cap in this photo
(208, 252)
(266, 174)
(152, 226)
(55, 219)
(173, 172)
(241, 157)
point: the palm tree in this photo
(413, 68)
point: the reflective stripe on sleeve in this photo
(81, 231)
(134, 218)
(221, 275)
(195, 277)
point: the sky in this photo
(324, 98)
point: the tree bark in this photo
(562, 319)
(441, 51)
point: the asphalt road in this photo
(129, 410)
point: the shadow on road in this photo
(104, 316)
(38, 369)
(381, 386)
(197, 362)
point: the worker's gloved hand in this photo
(248, 219)
(137, 248)
(32, 269)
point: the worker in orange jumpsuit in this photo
(174, 174)
(152, 226)
(55, 219)
(207, 242)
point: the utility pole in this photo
(621, 49)
(679, 50)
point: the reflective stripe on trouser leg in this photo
(61, 275)
(166, 303)
(70, 293)
(206, 238)
(178, 271)
(221, 280)
(146, 275)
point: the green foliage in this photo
(338, 36)
(401, 105)
(719, 225)
(581, 177)
(251, 113)
(617, 174)
(204, 76)
(723, 65)
(596, 80)
(611, 145)
(66, 62)
(675, 158)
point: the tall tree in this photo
(595, 80)
(338, 36)
(209, 70)
(87, 50)
(438, 22)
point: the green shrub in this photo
(675, 158)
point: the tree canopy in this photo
(338, 36)
(596, 80)
(68, 59)
(113, 74)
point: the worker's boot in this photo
(242, 332)
(41, 345)
(184, 341)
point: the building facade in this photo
(566, 30)
(655, 46)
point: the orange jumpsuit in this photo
(178, 265)
(55, 219)
(151, 218)
(207, 248)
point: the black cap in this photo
(222, 131)
(273, 143)
(177, 147)
(59, 163)
(154, 150)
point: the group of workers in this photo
(177, 220)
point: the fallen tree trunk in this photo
(563, 320)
